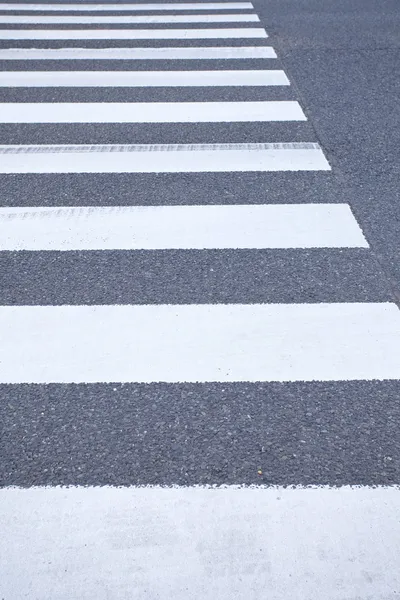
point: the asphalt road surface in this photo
(199, 286)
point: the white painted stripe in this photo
(124, 19)
(150, 112)
(127, 7)
(199, 343)
(180, 227)
(200, 543)
(132, 34)
(163, 158)
(217, 53)
(141, 78)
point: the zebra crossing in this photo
(157, 112)
(144, 79)
(189, 53)
(186, 300)
(134, 34)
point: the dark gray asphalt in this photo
(319, 433)
(154, 189)
(192, 276)
(184, 133)
(343, 61)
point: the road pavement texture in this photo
(199, 289)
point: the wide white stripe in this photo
(166, 227)
(216, 53)
(131, 34)
(141, 78)
(78, 7)
(167, 158)
(200, 543)
(150, 112)
(136, 20)
(199, 343)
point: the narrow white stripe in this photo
(141, 78)
(241, 52)
(128, 7)
(150, 112)
(131, 34)
(200, 543)
(124, 19)
(199, 343)
(179, 158)
(167, 227)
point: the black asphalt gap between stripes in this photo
(187, 434)
(191, 276)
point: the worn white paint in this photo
(200, 543)
(149, 112)
(78, 7)
(162, 158)
(141, 78)
(126, 20)
(200, 53)
(199, 343)
(132, 34)
(167, 227)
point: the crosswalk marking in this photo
(159, 6)
(183, 227)
(132, 34)
(190, 53)
(280, 543)
(230, 313)
(164, 158)
(199, 343)
(132, 20)
(256, 78)
(150, 112)
(215, 334)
